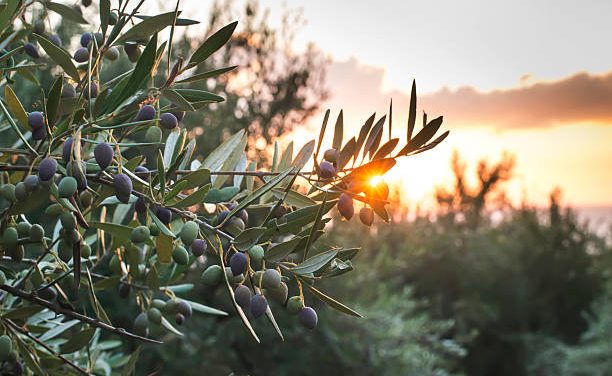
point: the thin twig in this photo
(75, 315)
(45, 346)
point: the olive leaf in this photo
(143, 30)
(212, 44)
(66, 12)
(331, 301)
(59, 56)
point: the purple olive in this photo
(168, 120)
(140, 205)
(39, 134)
(90, 91)
(308, 318)
(142, 172)
(67, 149)
(123, 187)
(31, 50)
(198, 247)
(164, 215)
(47, 169)
(103, 153)
(345, 206)
(85, 39)
(36, 120)
(326, 170)
(259, 305)
(146, 112)
(242, 296)
(238, 263)
(55, 39)
(81, 55)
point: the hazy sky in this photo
(530, 77)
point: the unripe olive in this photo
(39, 27)
(168, 120)
(141, 325)
(72, 235)
(23, 229)
(308, 318)
(67, 187)
(37, 233)
(233, 279)
(113, 18)
(54, 210)
(10, 238)
(36, 120)
(280, 293)
(114, 264)
(153, 229)
(85, 250)
(31, 182)
(153, 134)
(295, 304)
(86, 198)
(68, 91)
(85, 39)
(123, 187)
(140, 234)
(164, 215)
(140, 206)
(68, 221)
(256, 253)
(31, 50)
(124, 290)
(184, 308)
(64, 250)
(345, 206)
(112, 53)
(154, 315)
(158, 303)
(21, 191)
(39, 134)
(189, 232)
(48, 293)
(81, 55)
(8, 192)
(331, 155)
(179, 319)
(146, 112)
(259, 304)
(170, 306)
(6, 346)
(142, 172)
(55, 39)
(242, 296)
(212, 275)
(47, 169)
(326, 170)
(237, 223)
(198, 247)
(271, 279)
(366, 215)
(238, 263)
(180, 255)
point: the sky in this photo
(533, 78)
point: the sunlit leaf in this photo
(59, 56)
(212, 44)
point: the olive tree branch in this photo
(32, 298)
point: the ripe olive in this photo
(308, 318)
(346, 206)
(123, 187)
(258, 306)
(238, 263)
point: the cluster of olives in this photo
(14, 238)
(179, 309)
(254, 284)
(346, 206)
(168, 120)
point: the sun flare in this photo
(374, 181)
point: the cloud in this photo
(580, 98)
